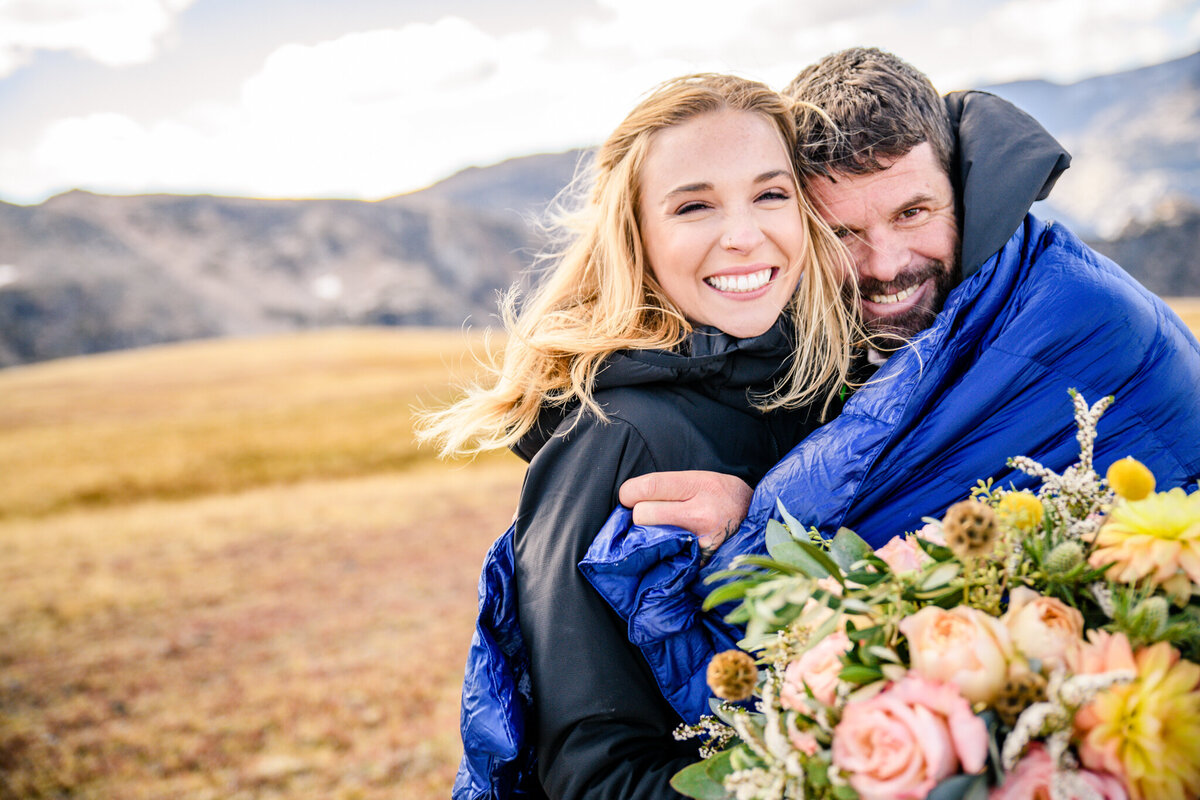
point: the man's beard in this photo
(889, 333)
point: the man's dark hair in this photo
(875, 107)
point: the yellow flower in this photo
(1130, 478)
(1020, 510)
(1148, 732)
(1157, 539)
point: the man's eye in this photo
(909, 213)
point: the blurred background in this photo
(241, 239)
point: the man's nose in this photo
(883, 258)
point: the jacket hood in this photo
(1004, 161)
(726, 366)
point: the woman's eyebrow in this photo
(772, 175)
(690, 187)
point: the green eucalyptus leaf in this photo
(844, 792)
(725, 594)
(694, 781)
(938, 552)
(721, 765)
(721, 711)
(822, 558)
(941, 575)
(848, 548)
(859, 674)
(783, 547)
(960, 787)
(766, 562)
(792, 523)
(866, 578)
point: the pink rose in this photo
(963, 646)
(1030, 780)
(902, 554)
(803, 741)
(818, 668)
(904, 740)
(1042, 627)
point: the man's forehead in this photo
(914, 177)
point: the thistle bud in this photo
(1130, 479)
(1150, 617)
(732, 675)
(1064, 557)
(970, 528)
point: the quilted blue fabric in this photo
(498, 760)
(989, 380)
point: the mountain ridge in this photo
(83, 273)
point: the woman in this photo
(693, 321)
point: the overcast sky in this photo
(370, 98)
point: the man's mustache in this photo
(905, 280)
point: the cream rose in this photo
(1042, 627)
(904, 740)
(963, 646)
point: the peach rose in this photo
(1030, 780)
(1042, 627)
(902, 554)
(1101, 652)
(818, 668)
(904, 740)
(963, 646)
(932, 533)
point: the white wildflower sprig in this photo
(1079, 494)
(1054, 717)
(716, 734)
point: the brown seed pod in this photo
(732, 675)
(970, 528)
(1021, 690)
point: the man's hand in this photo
(709, 504)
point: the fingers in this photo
(708, 504)
(665, 486)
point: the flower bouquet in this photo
(1027, 645)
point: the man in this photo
(982, 319)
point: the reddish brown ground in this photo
(290, 642)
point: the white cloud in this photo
(111, 32)
(378, 112)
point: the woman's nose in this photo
(742, 233)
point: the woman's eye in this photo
(774, 194)
(841, 233)
(687, 208)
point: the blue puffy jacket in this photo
(1041, 315)
(989, 380)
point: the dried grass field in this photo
(228, 572)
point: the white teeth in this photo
(737, 284)
(884, 299)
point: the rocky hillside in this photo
(1133, 137)
(83, 273)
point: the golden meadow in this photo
(228, 572)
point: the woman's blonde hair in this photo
(601, 296)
